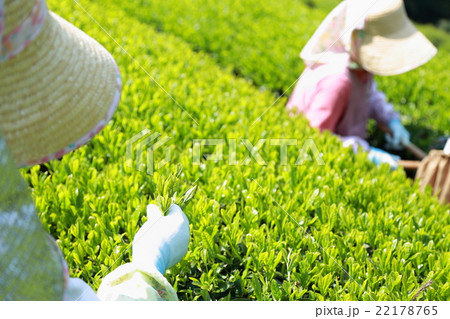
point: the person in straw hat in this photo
(58, 88)
(337, 92)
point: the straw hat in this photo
(389, 44)
(58, 86)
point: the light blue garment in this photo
(31, 264)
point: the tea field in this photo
(333, 227)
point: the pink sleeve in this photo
(380, 110)
(328, 102)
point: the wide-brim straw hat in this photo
(390, 44)
(58, 86)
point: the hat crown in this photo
(386, 17)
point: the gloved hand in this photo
(379, 156)
(163, 240)
(400, 136)
(160, 243)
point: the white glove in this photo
(400, 136)
(160, 243)
(379, 156)
(163, 240)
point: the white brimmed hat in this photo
(390, 44)
(58, 86)
(376, 34)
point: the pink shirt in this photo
(340, 100)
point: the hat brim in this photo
(57, 93)
(395, 53)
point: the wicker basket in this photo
(434, 170)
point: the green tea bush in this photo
(261, 41)
(345, 230)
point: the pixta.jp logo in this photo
(307, 152)
(146, 143)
